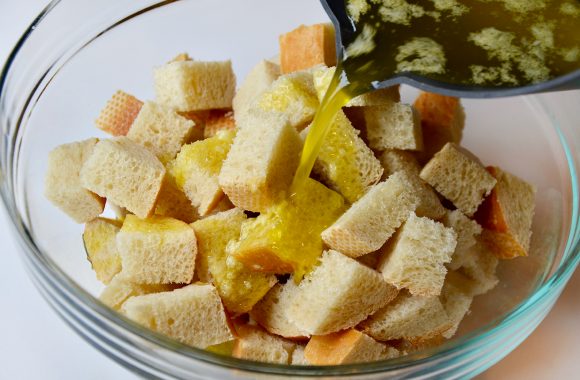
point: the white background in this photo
(36, 344)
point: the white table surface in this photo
(36, 344)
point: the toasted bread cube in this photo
(442, 122)
(307, 46)
(119, 113)
(467, 231)
(192, 315)
(218, 120)
(346, 347)
(255, 344)
(161, 130)
(100, 240)
(459, 176)
(345, 163)
(415, 258)
(272, 311)
(456, 298)
(238, 287)
(322, 76)
(395, 126)
(196, 169)
(173, 203)
(286, 238)
(393, 160)
(128, 174)
(371, 220)
(63, 185)
(292, 96)
(414, 318)
(337, 295)
(120, 290)
(257, 175)
(480, 266)
(195, 85)
(508, 212)
(157, 250)
(255, 84)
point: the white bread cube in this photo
(196, 169)
(395, 126)
(456, 298)
(157, 250)
(414, 318)
(467, 231)
(337, 295)
(100, 240)
(393, 160)
(480, 266)
(192, 315)
(172, 202)
(507, 214)
(255, 84)
(239, 287)
(459, 176)
(292, 96)
(195, 85)
(298, 356)
(161, 130)
(429, 203)
(119, 113)
(261, 162)
(415, 257)
(126, 173)
(253, 343)
(272, 311)
(306, 47)
(371, 220)
(346, 347)
(345, 163)
(63, 184)
(120, 290)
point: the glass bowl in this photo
(77, 53)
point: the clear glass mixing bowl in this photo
(77, 53)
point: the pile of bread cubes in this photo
(378, 255)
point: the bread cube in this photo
(442, 122)
(414, 318)
(238, 287)
(161, 130)
(119, 113)
(173, 203)
(395, 126)
(480, 266)
(125, 173)
(192, 315)
(508, 212)
(257, 175)
(346, 347)
(259, 79)
(337, 295)
(467, 231)
(307, 46)
(195, 85)
(393, 160)
(415, 258)
(255, 344)
(218, 120)
(199, 119)
(322, 76)
(429, 204)
(371, 220)
(100, 240)
(286, 238)
(272, 311)
(120, 290)
(459, 176)
(196, 169)
(345, 163)
(298, 356)
(456, 298)
(157, 250)
(63, 185)
(292, 96)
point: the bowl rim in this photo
(470, 341)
